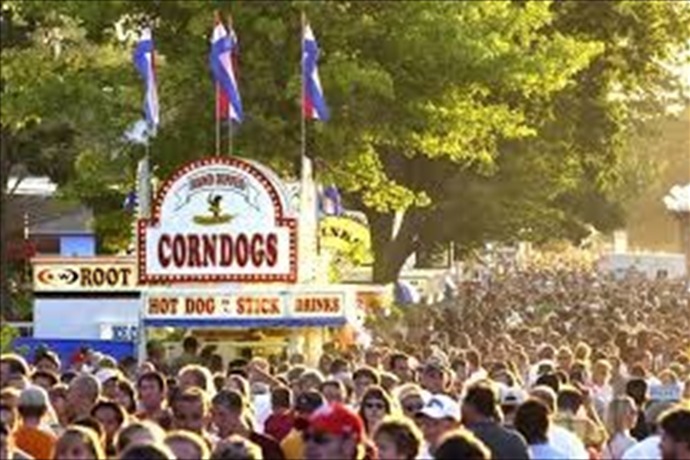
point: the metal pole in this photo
(303, 124)
(217, 120)
(230, 30)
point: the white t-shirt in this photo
(647, 449)
(567, 442)
(616, 447)
(262, 410)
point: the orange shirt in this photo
(35, 442)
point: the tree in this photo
(57, 95)
(571, 174)
(473, 116)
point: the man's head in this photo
(480, 404)
(546, 395)
(193, 375)
(399, 364)
(334, 391)
(311, 379)
(307, 403)
(82, 394)
(363, 378)
(228, 412)
(569, 399)
(675, 434)
(439, 415)
(435, 377)
(461, 443)
(187, 445)
(152, 389)
(47, 361)
(532, 421)
(33, 404)
(110, 415)
(637, 390)
(12, 368)
(138, 432)
(334, 432)
(397, 438)
(281, 399)
(45, 379)
(190, 345)
(191, 410)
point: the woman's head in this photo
(124, 395)
(79, 443)
(376, 404)
(621, 415)
(397, 439)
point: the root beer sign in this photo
(219, 219)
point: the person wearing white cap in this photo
(440, 415)
(108, 378)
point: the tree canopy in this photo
(481, 119)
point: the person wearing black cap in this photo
(481, 415)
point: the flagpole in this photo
(229, 102)
(303, 124)
(217, 121)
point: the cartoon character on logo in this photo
(214, 207)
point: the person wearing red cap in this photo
(335, 432)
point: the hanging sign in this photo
(78, 274)
(252, 305)
(219, 219)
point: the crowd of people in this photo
(535, 364)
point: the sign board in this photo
(219, 219)
(223, 307)
(346, 235)
(74, 274)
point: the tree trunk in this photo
(391, 253)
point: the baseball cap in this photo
(33, 396)
(106, 374)
(337, 420)
(441, 407)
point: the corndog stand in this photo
(228, 252)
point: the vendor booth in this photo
(226, 253)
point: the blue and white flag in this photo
(144, 61)
(223, 46)
(313, 103)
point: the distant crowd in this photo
(535, 364)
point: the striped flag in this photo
(144, 61)
(223, 46)
(313, 103)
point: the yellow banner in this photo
(346, 235)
